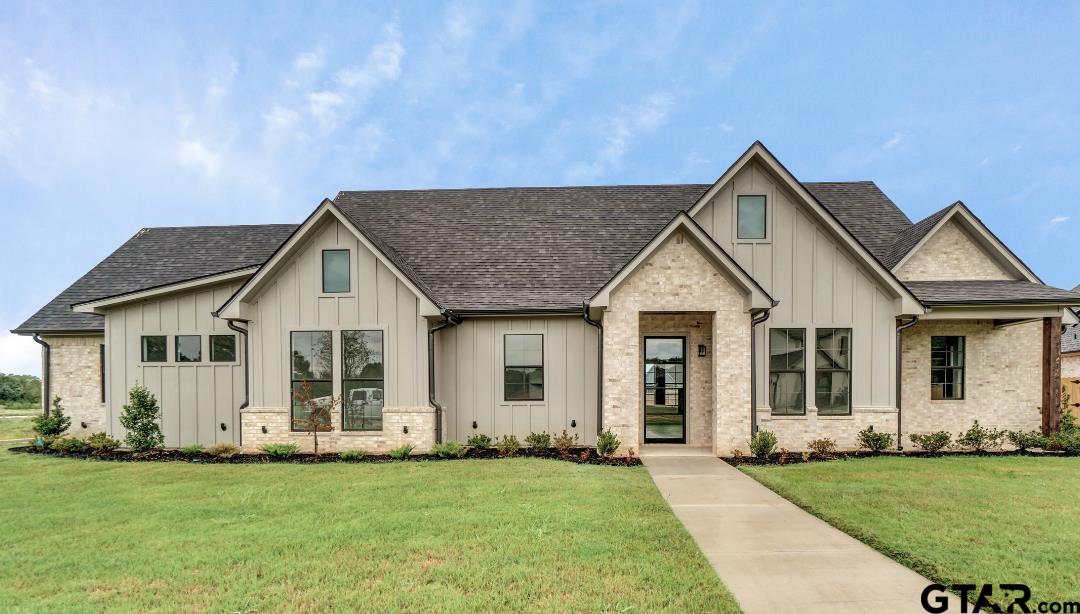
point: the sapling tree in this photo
(54, 424)
(317, 413)
(141, 418)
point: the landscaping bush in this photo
(538, 441)
(1068, 423)
(194, 449)
(479, 440)
(563, 442)
(931, 443)
(222, 450)
(69, 444)
(280, 450)
(448, 449)
(762, 444)
(823, 447)
(508, 445)
(1026, 440)
(52, 425)
(980, 438)
(140, 418)
(606, 443)
(402, 453)
(1069, 441)
(875, 441)
(352, 456)
(100, 442)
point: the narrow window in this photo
(101, 361)
(335, 270)
(787, 371)
(188, 348)
(833, 371)
(751, 214)
(311, 356)
(946, 368)
(222, 348)
(154, 349)
(523, 367)
(362, 382)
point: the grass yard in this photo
(519, 534)
(15, 428)
(953, 519)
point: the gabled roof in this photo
(865, 210)
(905, 240)
(990, 292)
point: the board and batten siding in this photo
(469, 379)
(195, 398)
(377, 300)
(818, 281)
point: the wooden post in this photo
(1051, 375)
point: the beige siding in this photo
(951, 253)
(195, 398)
(469, 382)
(818, 281)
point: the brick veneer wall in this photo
(419, 420)
(793, 432)
(950, 254)
(697, 328)
(75, 376)
(1070, 365)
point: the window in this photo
(335, 270)
(101, 359)
(751, 217)
(312, 372)
(222, 348)
(362, 384)
(154, 349)
(787, 371)
(188, 348)
(523, 367)
(833, 371)
(946, 368)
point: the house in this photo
(1070, 349)
(687, 314)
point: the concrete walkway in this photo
(773, 556)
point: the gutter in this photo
(243, 332)
(599, 365)
(753, 368)
(899, 382)
(45, 379)
(451, 319)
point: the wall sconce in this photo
(573, 424)
(224, 426)
(83, 424)
(474, 423)
(264, 429)
(701, 349)
(406, 429)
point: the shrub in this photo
(980, 438)
(762, 444)
(222, 450)
(1068, 423)
(402, 453)
(352, 456)
(52, 425)
(538, 441)
(448, 449)
(508, 445)
(1068, 441)
(563, 442)
(607, 442)
(140, 418)
(479, 440)
(100, 442)
(875, 441)
(71, 445)
(931, 443)
(1025, 440)
(280, 450)
(824, 447)
(194, 449)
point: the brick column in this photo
(1051, 375)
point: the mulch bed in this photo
(579, 455)
(794, 458)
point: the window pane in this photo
(786, 348)
(786, 393)
(335, 270)
(222, 348)
(188, 348)
(311, 355)
(524, 350)
(832, 391)
(154, 349)
(524, 383)
(363, 405)
(362, 354)
(834, 348)
(320, 392)
(751, 217)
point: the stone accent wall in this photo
(1070, 365)
(697, 328)
(1003, 377)
(75, 373)
(419, 420)
(950, 254)
(793, 432)
(678, 278)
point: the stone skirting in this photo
(419, 421)
(793, 432)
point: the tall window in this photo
(946, 368)
(787, 371)
(833, 371)
(222, 348)
(362, 382)
(523, 367)
(312, 358)
(751, 217)
(188, 348)
(154, 349)
(335, 270)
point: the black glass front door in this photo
(665, 390)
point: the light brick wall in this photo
(1003, 377)
(793, 432)
(1070, 365)
(75, 376)
(950, 254)
(419, 420)
(697, 328)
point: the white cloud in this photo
(280, 118)
(1059, 219)
(19, 355)
(620, 132)
(383, 63)
(194, 154)
(893, 142)
(309, 61)
(322, 106)
(725, 127)
(221, 84)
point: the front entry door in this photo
(665, 390)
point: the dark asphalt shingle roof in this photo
(862, 208)
(1070, 337)
(907, 239)
(989, 292)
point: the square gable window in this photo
(188, 348)
(154, 349)
(335, 271)
(751, 214)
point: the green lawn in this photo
(15, 428)
(954, 519)
(519, 534)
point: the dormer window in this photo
(751, 214)
(335, 271)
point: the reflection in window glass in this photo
(832, 387)
(523, 367)
(222, 348)
(751, 217)
(787, 370)
(335, 270)
(311, 358)
(362, 380)
(188, 348)
(154, 349)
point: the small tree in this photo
(54, 424)
(319, 410)
(140, 418)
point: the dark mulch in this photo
(794, 458)
(580, 455)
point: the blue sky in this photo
(121, 116)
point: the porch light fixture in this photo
(701, 349)
(573, 424)
(405, 429)
(224, 426)
(83, 424)
(474, 423)
(264, 429)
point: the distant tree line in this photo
(19, 389)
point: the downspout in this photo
(45, 379)
(451, 319)
(599, 365)
(244, 333)
(899, 381)
(753, 368)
